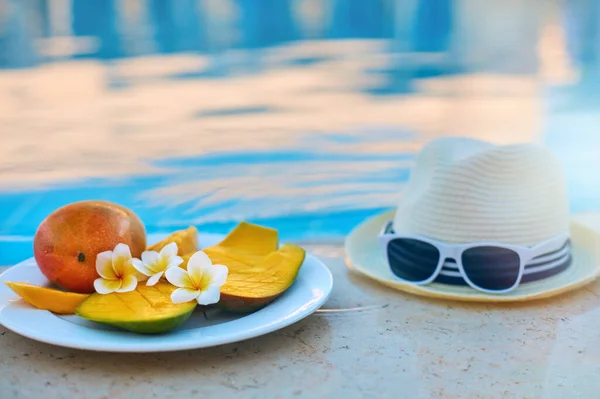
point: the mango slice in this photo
(258, 271)
(247, 242)
(251, 239)
(250, 287)
(147, 310)
(45, 298)
(186, 240)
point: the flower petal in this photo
(169, 250)
(181, 295)
(129, 269)
(178, 277)
(122, 250)
(141, 267)
(198, 263)
(219, 275)
(121, 254)
(154, 279)
(103, 286)
(175, 261)
(128, 283)
(199, 260)
(104, 265)
(209, 296)
(150, 258)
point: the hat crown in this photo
(463, 191)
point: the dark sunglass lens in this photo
(491, 268)
(412, 260)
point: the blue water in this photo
(319, 185)
(350, 195)
(267, 194)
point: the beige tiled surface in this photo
(391, 345)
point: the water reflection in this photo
(302, 114)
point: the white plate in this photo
(308, 293)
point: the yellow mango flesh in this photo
(186, 240)
(146, 310)
(247, 243)
(45, 298)
(258, 271)
(267, 276)
(250, 239)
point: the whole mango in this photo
(67, 242)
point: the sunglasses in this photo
(492, 268)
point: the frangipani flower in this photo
(202, 281)
(154, 264)
(116, 271)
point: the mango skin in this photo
(68, 240)
(152, 327)
(147, 310)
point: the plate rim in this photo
(308, 308)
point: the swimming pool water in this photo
(307, 127)
(305, 194)
(309, 194)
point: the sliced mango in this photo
(251, 239)
(247, 242)
(250, 287)
(186, 240)
(185, 258)
(56, 301)
(147, 310)
(258, 271)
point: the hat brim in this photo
(364, 255)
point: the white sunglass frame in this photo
(455, 251)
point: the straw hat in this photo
(465, 191)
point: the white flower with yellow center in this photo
(116, 271)
(201, 282)
(155, 264)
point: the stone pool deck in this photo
(368, 341)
